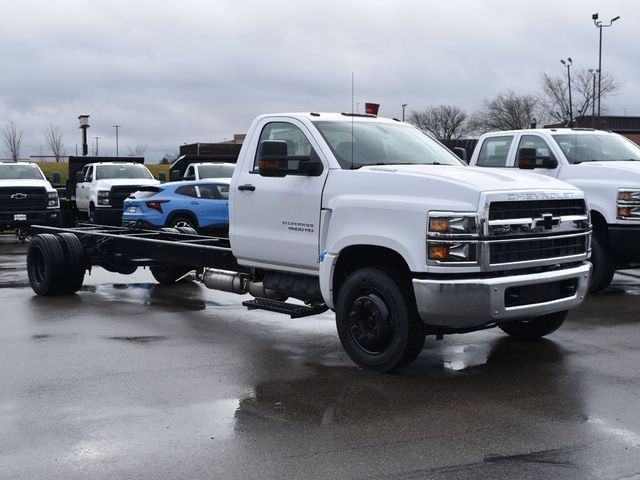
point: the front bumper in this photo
(625, 243)
(475, 302)
(108, 216)
(41, 217)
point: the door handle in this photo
(247, 186)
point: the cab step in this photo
(293, 310)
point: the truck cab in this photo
(199, 171)
(605, 165)
(26, 198)
(102, 187)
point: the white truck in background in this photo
(199, 171)
(605, 165)
(370, 218)
(102, 187)
(26, 198)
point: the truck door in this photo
(276, 219)
(84, 188)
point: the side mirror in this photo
(55, 178)
(162, 177)
(273, 161)
(461, 153)
(79, 177)
(528, 159)
(174, 175)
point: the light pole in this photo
(568, 63)
(599, 25)
(117, 127)
(593, 72)
(403, 107)
(96, 145)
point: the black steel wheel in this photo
(75, 263)
(535, 328)
(45, 264)
(377, 321)
(169, 274)
(604, 264)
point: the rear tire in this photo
(187, 230)
(535, 328)
(45, 264)
(604, 264)
(377, 322)
(74, 263)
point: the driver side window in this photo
(541, 146)
(88, 175)
(297, 143)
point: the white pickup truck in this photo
(102, 187)
(26, 198)
(375, 220)
(605, 165)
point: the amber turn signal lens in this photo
(438, 252)
(624, 196)
(624, 212)
(438, 224)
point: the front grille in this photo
(537, 249)
(118, 194)
(536, 208)
(28, 199)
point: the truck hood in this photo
(623, 173)
(26, 183)
(434, 187)
(476, 179)
(107, 183)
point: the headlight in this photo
(452, 238)
(53, 199)
(628, 204)
(103, 197)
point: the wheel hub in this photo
(369, 324)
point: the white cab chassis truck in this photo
(605, 165)
(102, 187)
(370, 218)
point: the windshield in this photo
(597, 147)
(122, 171)
(359, 144)
(216, 171)
(20, 172)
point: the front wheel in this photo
(377, 323)
(535, 328)
(604, 264)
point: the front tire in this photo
(181, 222)
(535, 328)
(377, 323)
(604, 264)
(169, 274)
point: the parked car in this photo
(202, 205)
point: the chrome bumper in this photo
(476, 302)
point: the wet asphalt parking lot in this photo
(128, 379)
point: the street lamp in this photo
(403, 107)
(96, 145)
(593, 73)
(117, 127)
(568, 63)
(599, 25)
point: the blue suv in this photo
(202, 205)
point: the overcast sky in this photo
(174, 72)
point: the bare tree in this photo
(444, 121)
(507, 111)
(169, 157)
(554, 100)
(137, 151)
(53, 137)
(12, 139)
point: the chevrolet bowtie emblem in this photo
(19, 196)
(545, 221)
